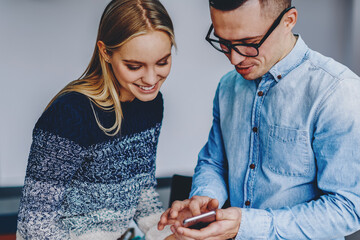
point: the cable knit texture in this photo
(81, 183)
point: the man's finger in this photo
(213, 204)
(177, 206)
(200, 204)
(204, 233)
(163, 220)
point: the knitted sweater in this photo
(81, 183)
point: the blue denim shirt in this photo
(286, 149)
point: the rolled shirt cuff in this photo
(255, 224)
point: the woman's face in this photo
(142, 65)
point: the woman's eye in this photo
(163, 63)
(133, 67)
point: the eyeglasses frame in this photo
(256, 46)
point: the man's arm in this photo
(211, 172)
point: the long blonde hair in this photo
(122, 20)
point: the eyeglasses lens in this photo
(226, 47)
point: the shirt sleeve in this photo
(211, 171)
(336, 142)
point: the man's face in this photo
(248, 24)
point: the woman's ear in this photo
(102, 50)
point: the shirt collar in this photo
(291, 61)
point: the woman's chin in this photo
(147, 97)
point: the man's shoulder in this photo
(329, 67)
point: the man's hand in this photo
(226, 226)
(171, 237)
(181, 210)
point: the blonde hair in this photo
(122, 20)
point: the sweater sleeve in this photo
(148, 215)
(53, 160)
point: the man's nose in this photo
(235, 58)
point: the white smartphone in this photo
(200, 221)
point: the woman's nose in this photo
(151, 77)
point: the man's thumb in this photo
(228, 214)
(220, 214)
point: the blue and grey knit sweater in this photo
(81, 183)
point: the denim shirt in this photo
(286, 149)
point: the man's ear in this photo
(290, 19)
(102, 50)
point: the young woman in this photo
(91, 168)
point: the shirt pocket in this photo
(287, 152)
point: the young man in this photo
(284, 145)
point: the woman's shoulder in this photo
(67, 107)
(68, 116)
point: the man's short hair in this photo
(228, 5)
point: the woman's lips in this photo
(147, 89)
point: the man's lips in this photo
(244, 67)
(243, 70)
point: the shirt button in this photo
(261, 93)
(255, 129)
(279, 77)
(247, 203)
(252, 166)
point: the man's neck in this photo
(290, 44)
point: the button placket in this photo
(263, 87)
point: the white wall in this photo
(332, 28)
(355, 60)
(44, 44)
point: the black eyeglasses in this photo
(247, 50)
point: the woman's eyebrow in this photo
(138, 62)
(166, 56)
(131, 61)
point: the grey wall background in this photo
(44, 44)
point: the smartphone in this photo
(200, 221)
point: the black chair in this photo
(181, 187)
(8, 218)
